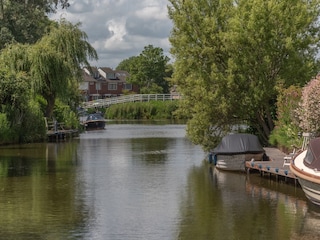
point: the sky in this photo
(119, 29)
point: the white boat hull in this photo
(236, 162)
(311, 190)
(309, 179)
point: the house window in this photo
(98, 86)
(112, 86)
(111, 76)
(127, 86)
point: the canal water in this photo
(141, 181)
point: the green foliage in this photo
(285, 137)
(148, 70)
(21, 24)
(152, 88)
(25, 124)
(32, 129)
(25, 21)
(5, 133)
(230, 58)
(286, 132)
(53, 62)
(48, 68)
(14, 88)
(126, 64)
(16, 58)
(18, 111)
(64, 114)
(56, 60)
(143, 110)
(287, 103)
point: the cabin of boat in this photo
(94, 121)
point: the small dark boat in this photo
(235, 149)
(94, 121)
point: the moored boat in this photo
(94, 121)
(306, 167)
(235, 149)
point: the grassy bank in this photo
(143, 110)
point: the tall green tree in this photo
(148, 70)
(230, 57)
(126, 64)
(54, 62)
(25, 21)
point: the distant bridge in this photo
(106, 102)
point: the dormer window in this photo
(111, 75)
(96, 75)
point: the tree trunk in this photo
(50, 105)
(264, 125)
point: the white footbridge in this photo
(106, 102)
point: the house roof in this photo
(88, 78)
(103, 74)
(106, 69)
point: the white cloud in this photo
(152, 12)
(81, 7)
(119, 29)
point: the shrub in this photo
(64, 114)
(308, 110)
(143, 110)
(285, 134)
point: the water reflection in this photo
(136, 181)
(242, 207)
(38, 197)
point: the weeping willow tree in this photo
(50, 68)
(55, 62)
(230, 56)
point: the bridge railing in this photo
(130, 98)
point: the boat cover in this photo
(312, 158)
(239, 143)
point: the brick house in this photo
(103, 82)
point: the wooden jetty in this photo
(56, 131)
(61, 135)
(277, 166)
